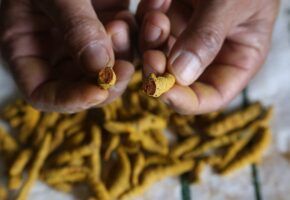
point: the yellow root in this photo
(17, 168)
(3, 193)
(8, 145)
(30, 120)
(48, 120)
(99, 190)
(155, 174)
(150, 144)
(114, 142)
(156, 86)
(137, 167)
(197, 171)
(185, 146)
(214, 144)
(66, 174)
(235, 120)
(95, 158)
(252, 153)
(20, 162)
(74, 154)
(63, 187)
(35, 169)
(122, 180)
(107, 78)
(136, 127)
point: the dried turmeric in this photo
(99, 190)
(17, 168)
(3, 193)
(35, 169)
(137, 167)
(234, 120)
(8, 145)
(65, 174)
(252, 153)
(107, 78)
(95, 157)
(156, 174)
(155, 86)
(113, 144)
(184, 146)
(122, 180)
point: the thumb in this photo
(83, 32)
(200, 42)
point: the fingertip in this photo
(120, 35)
(155, 30)
(154, 61)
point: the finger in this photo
(201, 41)
(182, 99)
(154, 31)
(31, 75)
(152, 5)
(153, 62)
(120, 36)
(83, 32)
(124, 71)
(110, 4)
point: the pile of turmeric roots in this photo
(120, 150)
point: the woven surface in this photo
(272, 87)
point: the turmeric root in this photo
(252, 153)
(156, 174)
(235, 120)
(107, 78)
(155, 86)
(35, 169)
(122, 180)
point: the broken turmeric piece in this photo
(156, 86)
(107, 78)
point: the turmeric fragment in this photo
(107, 78)
(155, 86)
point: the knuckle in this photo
(210, 37)
(80, 31)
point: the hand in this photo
(214, 47)
(55, 48)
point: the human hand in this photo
(55, 48)
(212, 47)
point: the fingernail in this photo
(185, 67)
(94, 57)
(152, 32)
(120, 41)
